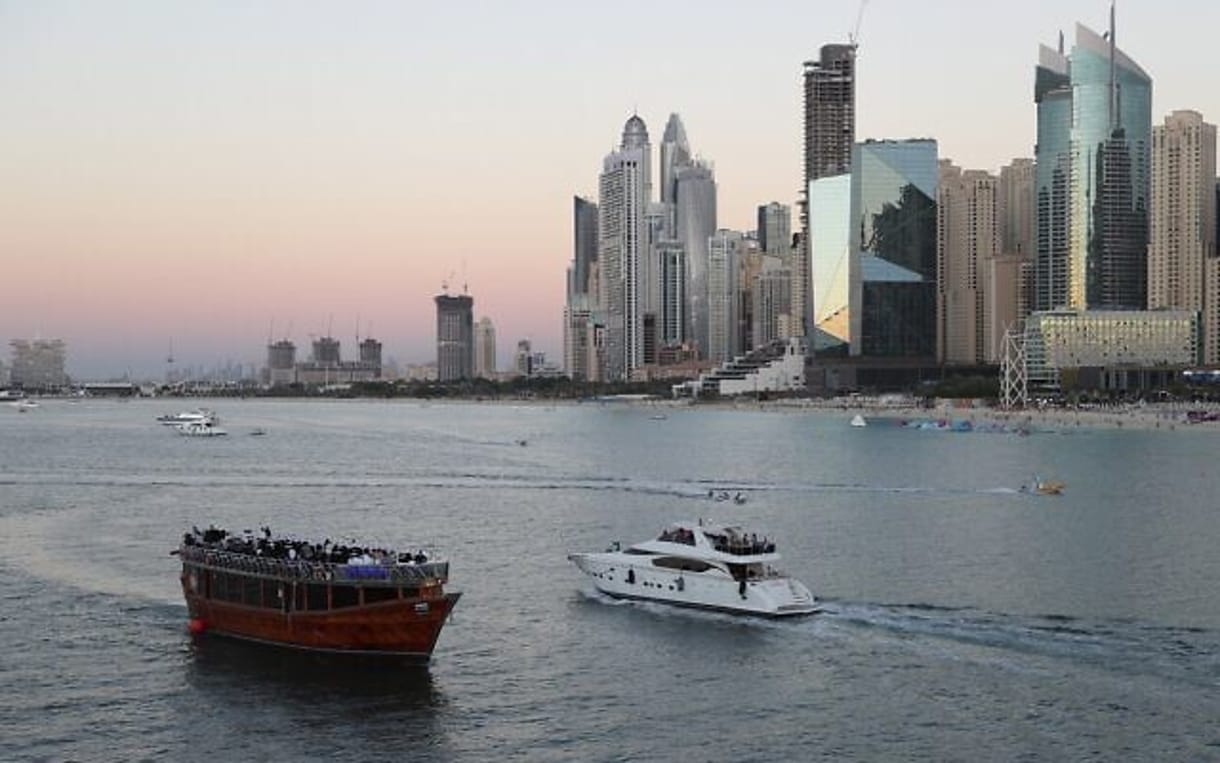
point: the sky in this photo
(206, 175)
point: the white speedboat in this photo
(24, 404)
(701, 565)
(200, 429)
(197, 416)
(858, 421)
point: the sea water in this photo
(963, 619)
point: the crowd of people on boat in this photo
(265, 545)
(678, 535)
(741, 544)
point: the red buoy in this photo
(197, 627)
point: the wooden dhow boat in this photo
(327, 597)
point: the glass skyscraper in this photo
(1093, 174)
(892, 299)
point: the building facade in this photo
(1128, 342)
(966, 245)
(1093, 175)
(485, 349)
(1182, 264)
(695, 218)
(39, 364)
(623, 194)
(892, 300)
(454, 337)
(829, 136)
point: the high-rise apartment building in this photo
(454, 337)
(1094, 137)
(829, 134)
(485, 349)
(771, 298)
(775, 229)
(966, 244)
(623, 193)
(675, 153)
(1182, 262)
(38, 364)
(584, 247)
(724, 252)
(696, 223)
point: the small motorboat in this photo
(858, 421)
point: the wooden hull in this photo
(400, 628)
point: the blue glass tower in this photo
(1093, 175)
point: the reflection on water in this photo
(219, 664)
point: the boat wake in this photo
(1185, 654)
(692, 489)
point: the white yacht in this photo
(704, 565)
(197, 416)
(200, 429)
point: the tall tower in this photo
(1182, 264)
(623, 193)
(830, 133)
(454, 337)
(967, 240)
(485, 349)
(775, 229)
(1093, 175)
(675, 153)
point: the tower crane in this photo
(854, 37)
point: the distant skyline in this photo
(195, 173)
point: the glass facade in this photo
(830, 247)
(892, 278)
(1093, 152)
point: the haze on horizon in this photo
(210, 174)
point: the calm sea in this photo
(964, 620)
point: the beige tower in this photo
(967, 241)
(1008, 297)
(1182, 264)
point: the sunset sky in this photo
(206, 173)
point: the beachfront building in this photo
(1121, 350)
(1183, 269)
(38, 364)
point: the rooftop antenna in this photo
(465, 285)
(357, 329)
(1113, 75)
(330, 323)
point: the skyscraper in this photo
(675, 153)
(485, 349)
(623, 194)
(830, 133)
(724, 252)
(892, 300)
(775, 229)
(696, 223)
(1182, 263)
(584, 247)
(1094, 130)
(966, 243)
(454, 337)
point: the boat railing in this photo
(385, 573)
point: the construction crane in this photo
(854, 37)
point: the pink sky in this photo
(194, 172)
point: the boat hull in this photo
(618, 576)
(406, 628)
